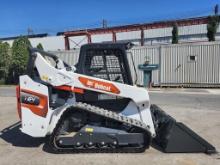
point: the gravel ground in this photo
(199, 111)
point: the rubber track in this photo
(104, 113)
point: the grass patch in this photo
(2, 84)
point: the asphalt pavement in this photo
(7, 91)
(198, 109)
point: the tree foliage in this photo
(40, 46)
(5, 59)
(20, 56)
(216, 9)
(213, 23)
(4, 54)
(175, 36)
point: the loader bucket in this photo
(176, 137)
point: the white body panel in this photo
(138, 108)
(33, 124)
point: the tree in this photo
(20, 56)
(216, 10)
(40, 46)
(4, 59)
(175, 37)
(213, 23)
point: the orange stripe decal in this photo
(70, 89)
(99, 85)
(18, 101)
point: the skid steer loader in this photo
(94, 106)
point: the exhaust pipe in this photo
(176, 137)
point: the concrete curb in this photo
(185, 91)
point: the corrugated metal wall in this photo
(69, 56)
(139, 55)
(101, 38)
(190, 65)
(49, 43)
(192, 29)
(128, 35)
(159, 32)
(196, 64)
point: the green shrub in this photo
(175, 36)
(20, 55)
(5, 60)
(212, 26)
(40, 46)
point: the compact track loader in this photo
(94, 106)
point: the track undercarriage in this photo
(86, 128)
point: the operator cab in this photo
(107, 61)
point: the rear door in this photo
(33, 106)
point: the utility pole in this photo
(30, 31)
(104, 23)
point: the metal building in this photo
(153, 33)
(50, 43)
(190, 30)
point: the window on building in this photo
(192, 58)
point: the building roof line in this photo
(29, 36)
(137, 27)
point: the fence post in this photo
(159, 69)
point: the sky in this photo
(52, 16)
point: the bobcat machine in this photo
(94, 106)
